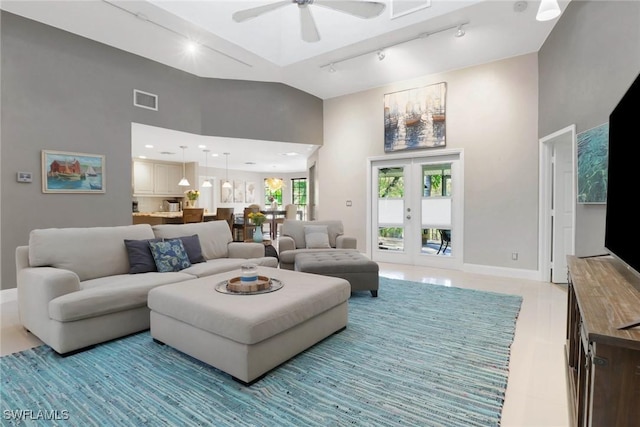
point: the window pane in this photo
(436, 241)
(391, 238)
(390, 211)
(436, 180)
(436, 212)
(391, 182)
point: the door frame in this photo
(546, 191)
(457, 222)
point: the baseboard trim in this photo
(8, 295)
(502, 272)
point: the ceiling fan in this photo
(309, 31)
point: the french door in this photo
(416, 210)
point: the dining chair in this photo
(190, 215)
(290, 212)
(445, 240)
(246, 227)
(227, 215)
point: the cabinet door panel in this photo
(143, 180)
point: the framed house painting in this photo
(593, 154)
(64, 172)
(415, 118)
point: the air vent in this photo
(145, 100)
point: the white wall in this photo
(492, 114)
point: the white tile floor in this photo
(537, 391)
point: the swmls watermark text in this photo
(31, 415)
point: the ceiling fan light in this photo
(548, 10)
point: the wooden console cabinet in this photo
(603, 361)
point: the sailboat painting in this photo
(64, 172)
(415, 118)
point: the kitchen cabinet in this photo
(143, 178)
(152, 178)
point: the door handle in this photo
(408, 216)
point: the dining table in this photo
(272, 217)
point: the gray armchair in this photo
(308, 236)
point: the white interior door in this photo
(557, 203)
(563, 210)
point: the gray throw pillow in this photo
(193, 248)
(316, 236)
(140, 258)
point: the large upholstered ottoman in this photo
(360, 271)
(248, 335)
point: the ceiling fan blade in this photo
(361, 9)
(307, 25)
(243, 15)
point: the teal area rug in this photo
(418, 355)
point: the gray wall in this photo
(585, 66)
(67, 93)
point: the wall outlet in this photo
(514, 256)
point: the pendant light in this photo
(206, 183)
(184, 182)
(226, 184)
(548, 10)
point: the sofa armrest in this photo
(286, 243)
(346, 242)
(245, 250)
(37, 286)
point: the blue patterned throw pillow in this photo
(169, 255)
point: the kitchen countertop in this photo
(166, 214)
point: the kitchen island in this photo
(154, 218)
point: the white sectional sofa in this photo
(76, 287)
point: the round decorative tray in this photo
(262, 286)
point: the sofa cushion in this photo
(295, 230)
(214, 236)
(316, 236)
(140, 258)
(192, 246)
(110, 295)
(169, 255)
(89, 252)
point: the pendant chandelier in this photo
(184, 182)
(226, 184)
(274, 184)
(206, 183)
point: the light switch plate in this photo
(24, 177)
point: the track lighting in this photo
(548, 10)
(184, 182)
(381, 51)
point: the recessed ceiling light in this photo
(148, 146)
(290, 154)
(202, 146)
(192, 47)
(142, 157)
(214, 154)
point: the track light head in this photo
(381, 55)
(460, 31)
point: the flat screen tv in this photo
(622, 224)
